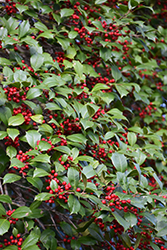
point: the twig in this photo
(41, 224)
(55, 225)
(6, 192)
(1, 189)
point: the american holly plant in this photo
(83, 130)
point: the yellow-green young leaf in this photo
(4, 226)
(16, 120)
(37, 118)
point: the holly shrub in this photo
(83, 129)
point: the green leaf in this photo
(36, 61)
(94, 230)
(21, 8)
(140, 158)
(39, 172)
(40, 26)
(24, 29)
(161, 228)
(86, 123)
(105, 53)
(11, 151)
(86, 240)
(88, 171)
(78, 68)
(154, 246)
(12, 133)
(63, 149)
(77, 138)
(100, 1)
(31, 240)
(2, 134)
(16, 120)
(5, 198)
(33, 93)
(42, 158)
(44, 145)
(121, 221)
(73, 204)
(117, 114)
(9, 178)
(131, 218)
(2, 210)
(132, 138)
(119, 161)
(32, 137)
(158, 180)
(116, 73)
(126, 239)
(11, 247)
(43, 196)
(137, 241)
(4, 226)
(16, 162)
(66, 228)
(53, 185)
(122, 90)
(52, 106)
(99, 86)
(73, 177)
(48, 239)
(33, 247)
(72, 34)
(21, 212)
(66, 12)
(37, 118)
(109, 135)
(36, 182)
(5, 114)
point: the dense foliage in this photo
(83, 137)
